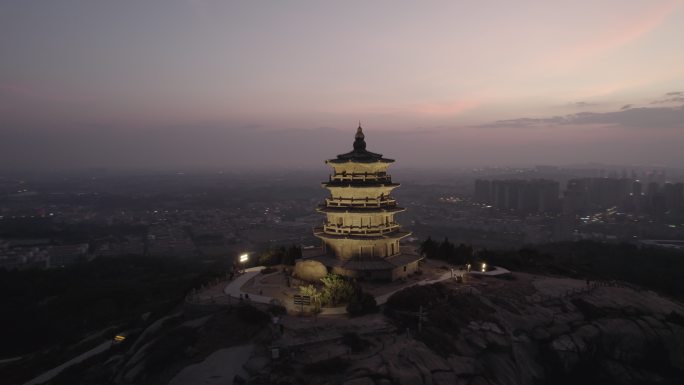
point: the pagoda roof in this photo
(402, 259)
(359, 154)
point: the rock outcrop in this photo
(310, 271)
(607, 335)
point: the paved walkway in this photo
(382, 299)
(234, 287)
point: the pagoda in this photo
(360, 234)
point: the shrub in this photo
(362, 303)
(337, 290)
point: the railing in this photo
(332, 228)
(365, 177)
(360, 202)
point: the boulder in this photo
(310, 270)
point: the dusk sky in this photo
(210, 83)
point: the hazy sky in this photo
(193, 83)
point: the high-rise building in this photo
(360, 234)
(483, 191)
(591, 194)
(673, 193)
(524, 196)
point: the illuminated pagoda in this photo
(360, 235)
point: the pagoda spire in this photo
(359, 142)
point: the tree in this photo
(362, 303)
(267, 258)
(280, 255)
(462, 254)
(293, 253)
(428, 248)
(446, 250)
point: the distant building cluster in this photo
(591, 194)
(536, 196)
(50, 227)
(38, 254)
(581, 195)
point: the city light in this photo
(484, 267)
(244, 258)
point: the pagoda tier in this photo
(360, 227)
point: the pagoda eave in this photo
(359, 160)
(358, 184)
(360, 210)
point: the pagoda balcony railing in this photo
(360, 202)
(332, 228)
(365, 177)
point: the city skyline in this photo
(218, 84)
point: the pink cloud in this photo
(624, 34)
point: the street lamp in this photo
(484, 267)
(244, 258)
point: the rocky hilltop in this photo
(524, 330)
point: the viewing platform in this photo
(395, 234)
(362, 177)
(361, 202)
(331, 228)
